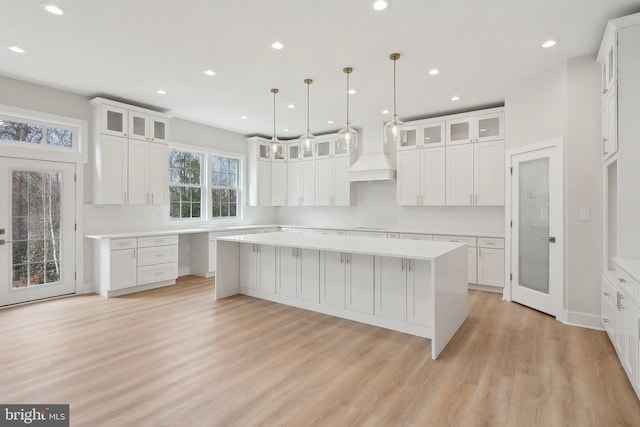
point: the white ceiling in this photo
(128, 49)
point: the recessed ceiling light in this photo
(352, 92)
(331, 121)
(244, 117)
(483, 130)
(277, 45)
(286, 130)
(385, 111)
(209, 73)
(52, 8)
(161, 92)
(434, 71)
(16, 49)
(381, 4)
(549, 43)
(291, 106)
(455, 98)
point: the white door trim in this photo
(556, 143)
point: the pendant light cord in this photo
(394, 89)
(274, 115)
(308, 130)
(348, 101)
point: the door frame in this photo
(557, 145)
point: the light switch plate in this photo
(585, 214)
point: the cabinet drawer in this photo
(328, 232)
(157, 273)
(157, 255)
(116, 244)
(410, 236)
(486, 242)
(367, 233)
(608, 319)
(628, 283)
(608, 292)
(213, 235)
(470, 241)
(145, 242)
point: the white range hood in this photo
(374, 164)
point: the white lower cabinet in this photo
(391, 288)
(346, 281)
(126, 265)
(419, 292)
(299, 273)
(490, 262)
(258, 267)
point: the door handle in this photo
(552, 239)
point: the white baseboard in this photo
(583, 320)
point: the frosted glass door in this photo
(534, 225)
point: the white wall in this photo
(564, 101)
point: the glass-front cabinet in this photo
(330, 147)
(277, 153)
(293, 152)
(430, 134)
(480, 128)
(459, 131)
(113, 121)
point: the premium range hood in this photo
(374, 163)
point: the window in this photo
(185, 184)
(31, 132)
(225, 187)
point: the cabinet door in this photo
(391, 288)
(489, 170)
(293, 152)
(433, 134)
(632, 315)
(610, 124)
(621, 326)
(433, 176)
(113, 121)
(360, 283)
(411, 139)
(294, 187)
(324, 184)
(419, 292)
(309, 285)
(158, 129)
(488, 127)
(308, 175)
(491, 267)
(612, 63)
(278, 184)
(333, 278)
(287, 272)
(138, 172)
(212, 256)
(264, 183)
(267, 268)
(459, 131)
(459, 172)
(123, 269)
(248, 266)
(323, 149)
(158, 174)
(472, 265)
(138, 125)
(112, 184)
(408, 184)
(341, 183)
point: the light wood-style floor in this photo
(176, 357)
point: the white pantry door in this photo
(537, 228)
(37, 219)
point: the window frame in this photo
(207, 202)
(203, 175)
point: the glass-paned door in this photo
(536, 229)
(37, 221)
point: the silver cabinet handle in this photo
(341, 257)
(409, 264)
(605, 320)
(403, 263)
(348, 258)
(151, 198)
(479, 252)
(621, 280)
(606, 294)
(293, 252)
(134, 253)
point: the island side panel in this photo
(227, 269)
(450, 299)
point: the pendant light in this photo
(348, 137)
(394, 132)
(307, 140)
(274, 139)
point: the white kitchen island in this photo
(412, 286)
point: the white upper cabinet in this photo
(459, 172)
(475, 128)
(113, 120)
(489, 171)
(429, 134)
(609, 60)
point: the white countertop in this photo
(401, 231)
(630, 265)
(168, 231)
(414, 249)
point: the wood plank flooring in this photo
(176, 357)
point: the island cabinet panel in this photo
(333, 278)
(309, 283)
(248, 266)
(287, 272)
(258, 267)
(419, 293)
(360, 283)
(391, 288)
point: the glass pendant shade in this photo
(394, 132)
(308, 140)
(348, 137)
